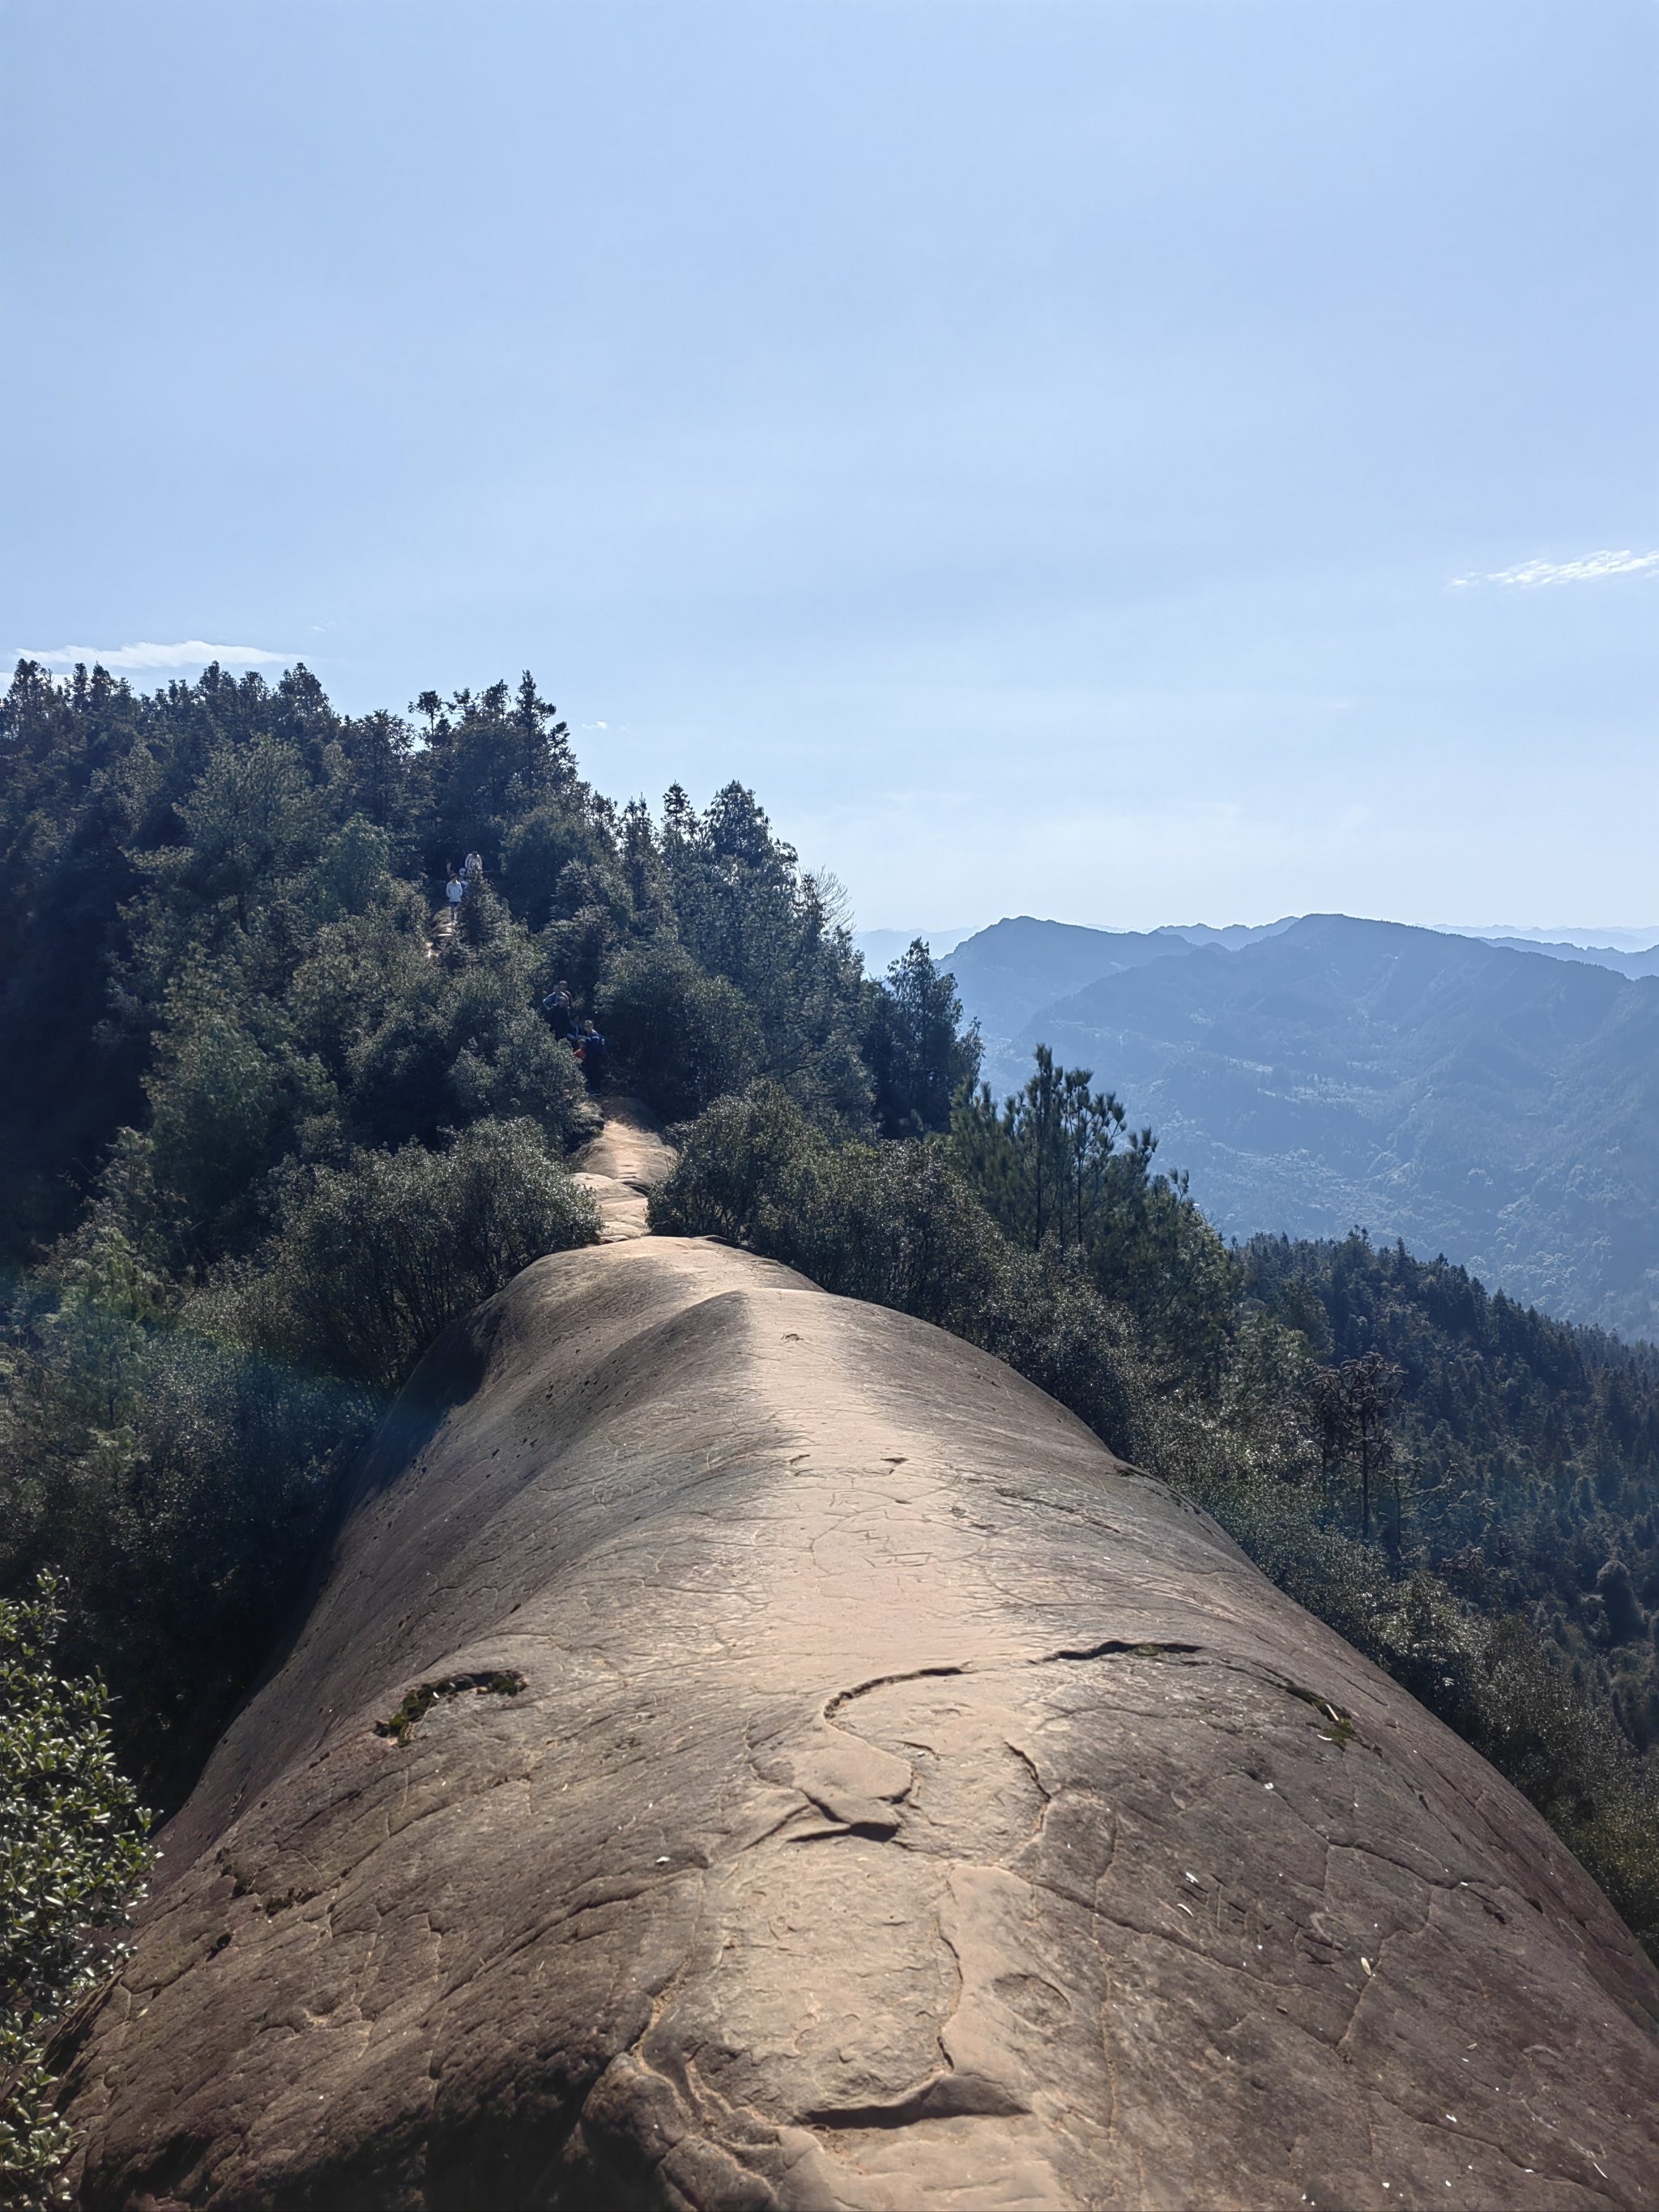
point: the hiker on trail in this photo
(455, 891)
(472, 869)
(560, 1011)
(590, 1050)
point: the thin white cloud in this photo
(1589, 570)
(191, 653)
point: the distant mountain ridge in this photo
(1498, 1104)
(1010, 972)
(1644, 962)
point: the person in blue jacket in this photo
(590, 1050)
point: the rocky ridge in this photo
(750, 1749)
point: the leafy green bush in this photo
(536, 850)
(72, 1857)
(681, 1038)
(176, 1478)
(216, 1098)
(896, 1225)
(424, 1045)
(373, 1261)
(889, 1223)
(173, 1453)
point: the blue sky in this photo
(1038, 445)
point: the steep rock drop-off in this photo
(752, 1749)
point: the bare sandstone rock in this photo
(750, 1749)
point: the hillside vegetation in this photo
(273, 1131)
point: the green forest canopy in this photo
(270, 1133)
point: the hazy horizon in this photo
(1621, 937)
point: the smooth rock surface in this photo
(619, 1168)
(904, 1806)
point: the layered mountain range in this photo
(1496, 1103)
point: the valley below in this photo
(1494, 1104)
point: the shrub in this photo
(682, 1037)
(895, 1223)
(445, 1042)
(215, 1102)
(176, 1479)
(373, 1260)
(537, 849)
(174, 1453)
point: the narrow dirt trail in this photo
(441, 932)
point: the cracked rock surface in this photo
(841, 1784)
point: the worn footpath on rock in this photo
(619, 1168)
(750, 1749)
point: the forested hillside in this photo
(272, 1126)
(1517, 1455)
(1489, 1102)
(269, 1133)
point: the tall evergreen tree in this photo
(920, 1052)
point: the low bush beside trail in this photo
(373, 1260)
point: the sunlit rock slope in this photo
(752, 1749)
